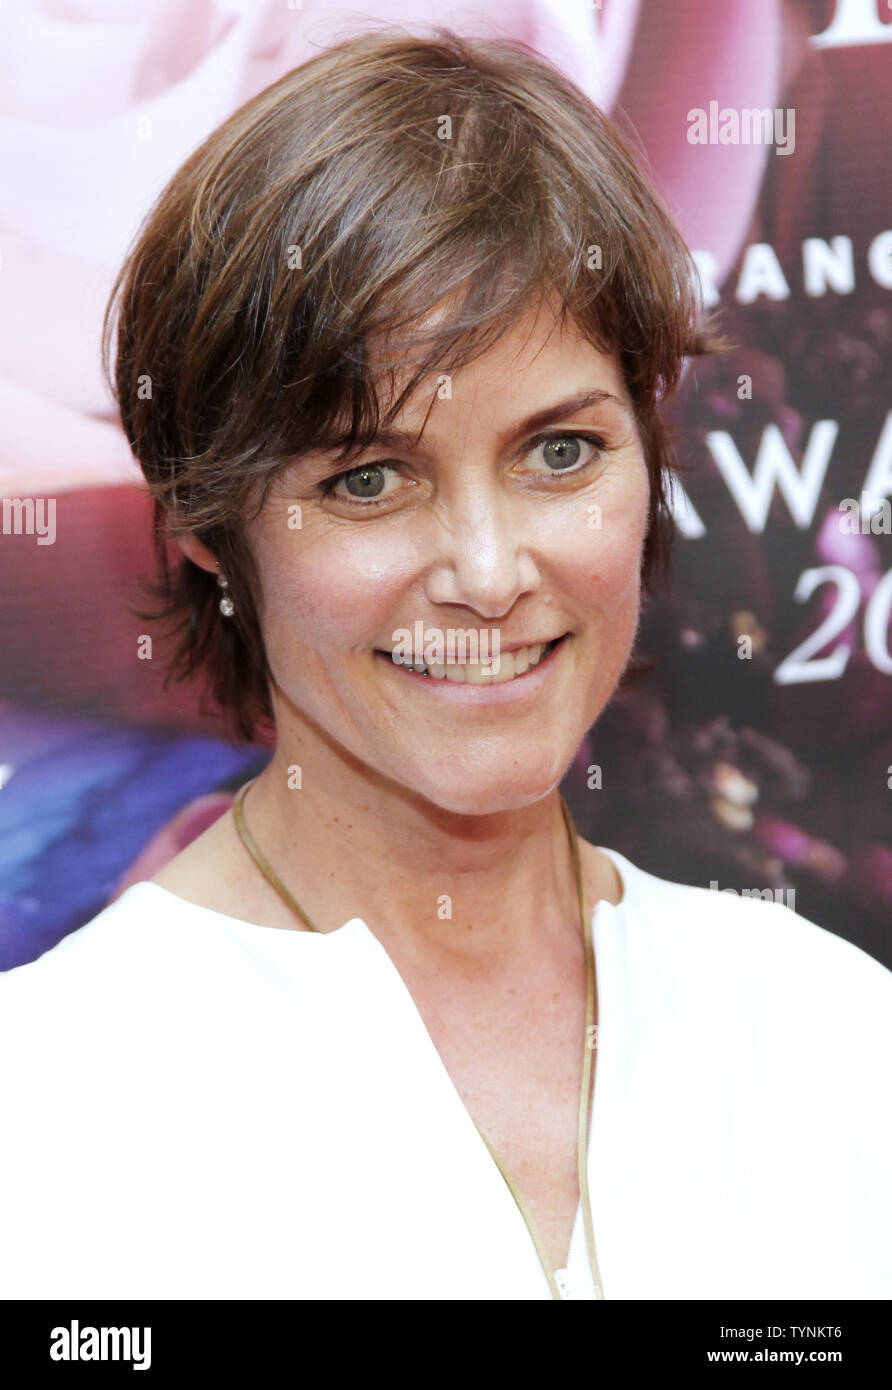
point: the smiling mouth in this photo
(511, 666)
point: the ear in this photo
(196, 551)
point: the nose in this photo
(484, 561)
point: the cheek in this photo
(602, 549)
(331, 592)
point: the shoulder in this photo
(150, 988)
(752, 942)
(738, 996)
(147, 944)
(76, 1008)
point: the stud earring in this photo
(227, 607)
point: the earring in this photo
(227, 607)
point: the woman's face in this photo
(489, 525)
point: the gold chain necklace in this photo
(582, 1130)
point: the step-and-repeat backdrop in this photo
(755, 753)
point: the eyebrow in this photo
(581, 401)
(393, 438)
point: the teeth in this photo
(476, 673)
(510, 664)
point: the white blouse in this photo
(198, 1107)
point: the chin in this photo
(473, 793)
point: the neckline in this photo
(620, 863)
(184, 904)
(603, 915)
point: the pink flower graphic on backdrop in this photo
(127, 90)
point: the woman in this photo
(390, 351)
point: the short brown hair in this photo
(330, 209)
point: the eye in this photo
(565, 453)
(369, 483)
(561, 453)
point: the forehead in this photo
(539, 359)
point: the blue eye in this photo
(365, 482)
(565, 453)
(562, 452)
(368, 482)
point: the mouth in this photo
(511, 666)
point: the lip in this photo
(530, 642)
(509, 647)
(519, 688)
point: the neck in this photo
(351, 844)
